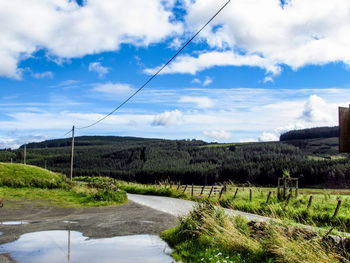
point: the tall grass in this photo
(134, 188)
(207, 234)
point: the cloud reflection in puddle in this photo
(72, 246)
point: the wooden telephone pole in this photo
(71, 156)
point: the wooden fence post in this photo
(235, 193)
(211, 190)
(309, 204)
(268, 197)
(250, 195)
(184, 189)
(336, 209)
(192, 190)
(222, 190)
(178, 187)
(202, 189)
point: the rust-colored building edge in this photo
(344, 130)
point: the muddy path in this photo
(93, 222)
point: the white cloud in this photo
(116, 89)
(201, 102)
(218, 135)
(197, 81)
(268, 136)
(193, 64)
(47, 74)
(316, 110)
(99, 69)
(264, 34)
(168, 118)
(14, 143)
(207, 81)
(66, 30)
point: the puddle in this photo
(72, 246)
(8, 223)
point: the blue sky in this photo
(259, 69)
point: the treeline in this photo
(312, 133)
(185, 161)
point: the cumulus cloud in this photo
(218, 135)
(317, 110)
(66, 30)
(268, 34)
(116, 89)
(200, 102)
(99, 69)
(168, 118)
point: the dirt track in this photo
(99, 222)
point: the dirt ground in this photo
(93, 222)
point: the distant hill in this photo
(89, 140)
(316, 161)
(312, 133)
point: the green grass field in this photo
(320, 213)
(18, 181)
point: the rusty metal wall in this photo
(344, 130)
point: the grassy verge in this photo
(19, 181)
(207, 234)
(134, 188)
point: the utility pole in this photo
(24, 154)
(71, 156)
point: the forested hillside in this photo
(315, 161)
(312, 133)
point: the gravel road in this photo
(179, 207)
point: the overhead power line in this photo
(155, 74)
